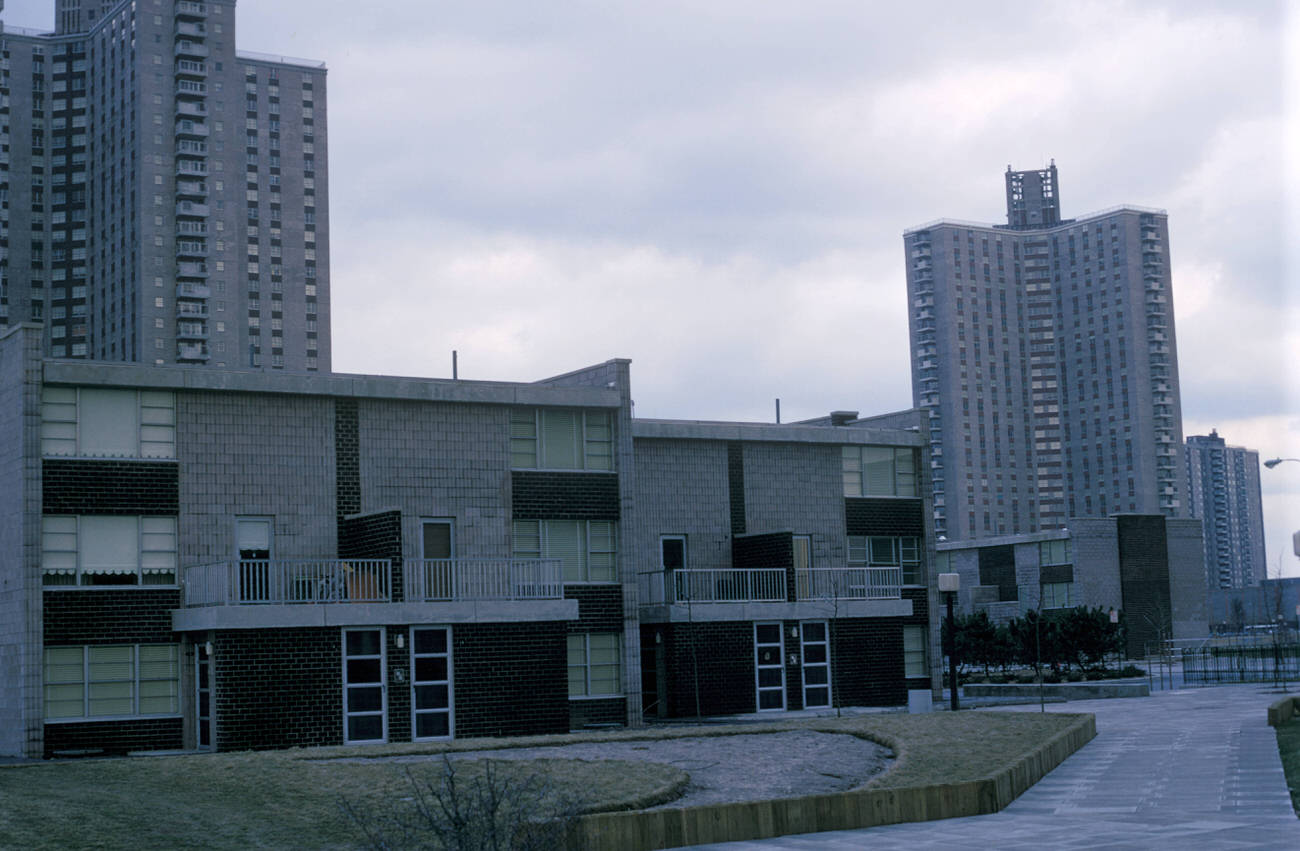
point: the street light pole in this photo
(949, 584)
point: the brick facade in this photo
(878, 516)
(113, 737)
(510, 679)
(81, 486)
(110, 616)
(377, 535)
(538, 495)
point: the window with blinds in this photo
(888, 551)
(94, 422)
(879, 471)
(108, 550)
(587, 549)
(561, 439)
(111, 681)
(594, 665)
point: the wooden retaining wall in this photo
(672, 828)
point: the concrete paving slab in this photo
(1192, 768)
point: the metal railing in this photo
(725, 585)
(849, 583)
(449, 579)
(288, 581)
(1263, 663)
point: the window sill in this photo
(597, 696)
(110, 587)
(99, 718)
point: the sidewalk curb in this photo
(673, 828)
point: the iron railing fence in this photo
(451, 579)
(288, 581)
(1262, 663)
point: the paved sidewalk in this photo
(1189, 769)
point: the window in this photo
(879, 471)
(561, 439)
(672, 552)
(1054, 552)
(586, 548)
(108, 550)
(884, 551)
(1057, 595)
(111, 681)
(914, 651)
(94, 422)
(594, 665)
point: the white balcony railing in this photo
(725, 585)
(288, 581)
(849, 583)
(453, 579)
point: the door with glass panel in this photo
(253, 543)
(769, 665)
(431, 712)
(815, 653)
(801, 560)
(364, 693)
(202, 696)
(438, 548)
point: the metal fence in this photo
(849, 583)
(1262, 663)
(261, 581)
(450, 579)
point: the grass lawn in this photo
(290, 798)
(1288, 745)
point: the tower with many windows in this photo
(1224, 493)
(166, 197)
(1044, 351)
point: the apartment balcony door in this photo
(253, 536)
(432, 716)
(365, 697)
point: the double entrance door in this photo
(427, 673)
(770, 664)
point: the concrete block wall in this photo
(21, 712)
(1095, 550)
(439, 460)
(255, 454)
(681, 490)
(797, 488)
(1187, 581)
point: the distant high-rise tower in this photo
(1224, 493)
(1044, 351)
(166, 195)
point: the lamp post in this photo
(949, 585)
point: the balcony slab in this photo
(801, 611)
(272, 616)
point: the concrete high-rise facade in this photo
(166, 195)
(1224, 493)
(1044, 350)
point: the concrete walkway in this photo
(1189, 769)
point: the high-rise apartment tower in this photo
(1044, 351)
(1224, 493)
(165, 196)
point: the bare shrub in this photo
(501, 808)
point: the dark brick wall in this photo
(736, 485)
(126, 616)
(375, 536)
(399, 693)
(868, 654)
(278, 688)
(1056, 573)
(347, 458)
(774, 549)
(540, 495)
(920, 606)
(725, 650)
(510, 679)
(600, 608)
(606, 712)
(877, 516)
(115, 737)
(109, 487)
(1144, 579)
(998, 567)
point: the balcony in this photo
(725, 594)
(191, 351)
(196, 108)
(185, 47)
(455, 579)
(257, 593)
(186, 127)
(190, 208)
(191, 9)
(194, 30)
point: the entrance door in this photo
(203, 696)
(431, 683)
(672, 557)
(769, 664)
(364, 699)
(816, 665)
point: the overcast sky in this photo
(718, 190)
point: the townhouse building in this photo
(220, 559)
